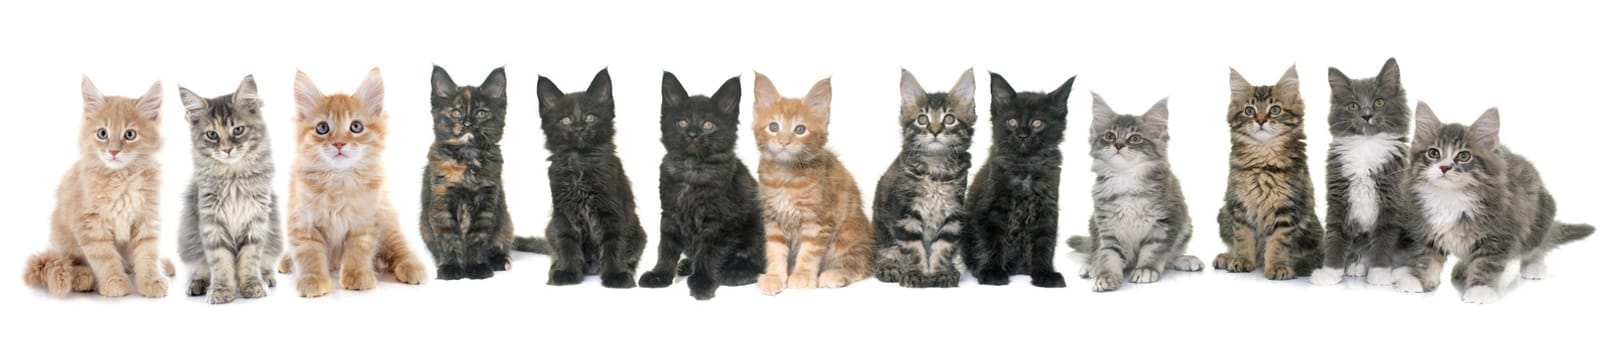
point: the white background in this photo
(1543, 65)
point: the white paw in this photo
(1327, 276)
(1480, 295)
(1405, 282)
(1380, 276)
(1536, 271)
(1355, 269)
(1145, 276)
(1187, 263)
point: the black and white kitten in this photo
(919, 203)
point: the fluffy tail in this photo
(686, 267)
(850, 255)
(1080, 243)
(532, 245)
(168, 267)
(1565, 233)
(58, 273)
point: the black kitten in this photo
(710, 209)
(593, 229)
(1014, 200)
(463, 217)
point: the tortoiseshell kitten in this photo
(463, 217)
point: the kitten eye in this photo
(1109, 136)
(212, 136)
(101, 134)
(454, 113)
(1134, 139)
(238, 131)
(923, 120)
(129, 135)
(1249, 111)
(482, 114)
(683, 123)
(1353, 106)
(801, 129)
(773, 127)
(322, 128)
(590, 118)
(356, 127)
(1378, 103)
(1274, 110)
(1036, 123)
(949, 120)
(566, 121)
(708, 125)
(1464, 157)
(1433, 154)
(1013, 123)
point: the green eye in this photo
(1134, 139)
(1109, 136)
(1433, 154)
(801, 129)
(1249, 111)
(1464, 157)
(1274, 110)
(1353, 106)
(773, 127)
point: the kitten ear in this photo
(963, 93)
(194, 105)
(911, 91)
(372, 94)
(150, 105)
(306, 95)
(763, 91)
(1156, 119)
(1337, 80)
(672, 91)
(1390, 75)
(494, 85)
(548, 94)
(600, 89)
(1062, 94)
(1002, 93)
(1428, 124)
(92, 97)
(1289, 86)
(727, 97)
(1240, 87)
(818, 99)
(1102, 114)
(246, 94)
(442, 84)
(1486, 131)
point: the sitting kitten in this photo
(1268, 220)
(919, 202)
(229, 230)
(811, 207)
(106, 214)
(1140, 218)
(1014, 201)
(593, 229)
(463, 217)
(1473, 198)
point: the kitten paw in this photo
(1327, 276)
(564, 277)
(655, 280)
(115, 286)
(1356, 269)
(834, 279)
(1405, 282)
(1106, 282)
(197, 287)
(311, 286)
(1279, 272)
(1188, 263)
(358, 279)
(803, 281)
(889, 274)
(619, 280)
(253, 290)
(449, 272)
(220, 294)
(1480, 295)
(771, 284)
(1233, 264)
(285, 264)
(479, 271)
(945, 279)
(152, 286)
(702, 286)
(83, 280)
(409, 272)
(1048, 280)
(992, 277)
(1144, 275)
(913, 279)
(269, 278)
(1380, 276)
(1084, 273)
(1535, 271)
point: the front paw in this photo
(311, 286)
(1405, 282)
(913, 279)
(803, 280)
(1380, 276)
(1048, 280)
(888, 274)
(450, 272)
(1106, 282)
(1356, 269)
(1481, 295)
(564, 277)
(409, 272)
(115, 286)
(197, 287)
(1279, 272)
(702, 286)
(152, 286)
(269, 278)
(653, 279)
(834, 279)
(479, 271)
(1144, 275)
(1188, 263)
(220, 294)
(992, 277)
(944, 279)
(618, 280)
(1327, 276)
(358, 279)
(252, 289)
(771, 284)
(1234, 264)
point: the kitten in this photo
(1472, 197)
(593, 229)
(338, 207)
(1268, 220)
(1363, 233)
(106, 217)
(811, 207)
(1014, 201)
(463, 217)
(710, 210)
(919, 202)
(1139, 217)
(229, 229)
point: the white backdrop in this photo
(1542, 64)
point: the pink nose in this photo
(1445, 168)
(113, 152)
(339, 146)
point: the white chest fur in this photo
(1444, 210)
(935, 203)
(1359, 157)
(1132, 210)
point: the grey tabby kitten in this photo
(229, 230)
(1363, 233)
(919, 208)
(1475, 199)
(1139, 217)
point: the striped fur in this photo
(919, 203)
(1268, 219)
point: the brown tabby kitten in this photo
(1269, 219)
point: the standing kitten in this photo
(813, 212)
(463, 217)
(710, 210)
(106, 213)
(1139, 215)
(1369, 121)
(1473, 198)
(338, 207)
(1268, 220)
(1014, 201)
(593, 229)
(919, 202)
(229, 230)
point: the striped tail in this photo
(1565, 233)
(532, 245)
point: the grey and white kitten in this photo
(919, 208)
(1475, 199)
(229, 231)
(1139, 217)
(1363, 233)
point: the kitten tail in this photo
(1565, 233)
(532, 245)
(56, 272)
(1080, 243)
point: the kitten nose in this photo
(1368, 117)
(226, 150)
(113, 152)
(691, 133)
(339, 145)
(1445, 168)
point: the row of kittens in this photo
(1393, 214)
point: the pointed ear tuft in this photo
(1486, 131)
(1157, 119)
(1390, 75)
(1428, 125)
(1239, 86)
(763, 92)
(1338, 81)
(442, 84)
(548, 94)
(494, 86)
(1288, 88)
(92, 97)
(1062, 94)
(672, 91)
(1002, 93)
(1102, 114)
(727, 97)
(246, 95)
(195, 106)
(963, 93)
(151, 103)
(600, 89)
(372, 94)
(818, 99)
(912, 93)
(306, 95)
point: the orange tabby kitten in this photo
(811, 205)
(338, 207)
(106, 218)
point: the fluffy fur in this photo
(919, 202)
(1268, 219)
(463, 216)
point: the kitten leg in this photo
(566, 262)
(356, 267)
(311, 253)
(96, 242)
(479, 238)
(1485, 270)
(1044, 240)
(910, 269)
(1381, 253)
(149, 280)
(1106, 265)
(222, 265)
(987, 248)
(1153, 256)
(811, 247)
(943, 273)
(1424, 273)
(445, 241)
(1241, 258)
(777, 252)
(1280, 251)
(1533, 267)
(393, 252)
(668, 251)
(618, 255)
(702, 281)
(250, 279)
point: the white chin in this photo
(114, 163)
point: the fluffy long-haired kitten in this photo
(338, 208)
(818, 236)
(1363, 231)
(710, 209)
(463, 217)
(593, 228)
(919, 202)
(229, 229)
(1473, 198)
(106, 216)
(1140, 219)
(1268, 219)
(1013, 202)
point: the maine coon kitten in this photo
(919, 202)
(593, 229)
(1140, 218)
(811, 207)
(338, 208)
(1013, 202)
(463, 217)
(106, 217)
(1363, 232)
(1473, 198)
(710, 209)
(1268, 220)
(229, 229)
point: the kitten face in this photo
(577, 121)
(1028, 122)
(1368, 106)
(1265, 113)
(1453, 156)
(790, 129)
(1126, 140)
(120, 131)
(699, 125)
(339, 131)
(936, 122)
(226, 128)
(468, 114)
